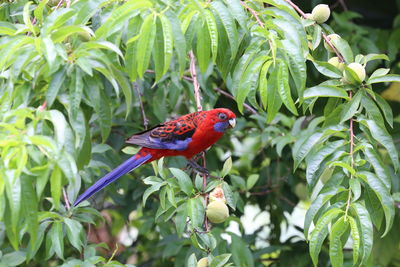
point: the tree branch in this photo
(197, 96)
(254, 13)
(145, 120)
(228, 95)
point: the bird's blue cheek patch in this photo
(221, 126)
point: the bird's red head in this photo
(221, 118)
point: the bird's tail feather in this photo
(110, 177)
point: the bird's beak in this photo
(232, 122)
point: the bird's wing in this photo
(173, 135)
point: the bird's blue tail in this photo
(110, 177)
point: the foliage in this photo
(74, 77)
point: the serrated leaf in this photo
(336, 246)
(168, 42)
(284, 90)
(327, 69)
(320, 232)
(30, 204)
(355, 235)
(57, 238)
(145, 44)
(381, 135)
(229, 26)
(203, 47)
(213, 32)
(383, 195)
(154, 188)
(74, 232)
(380, 169)
(180, 219)
(185, 183)
(366, 230)
(304, 148)
(220, 260)
(274, 101)
(263, 83)
(230, 199)
(386, 109)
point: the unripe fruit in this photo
(321, 13)
(217, 211)
(358, 69)
(331, 37)
(203, 262)
(335, 62)
(217, 194)
(301, 191)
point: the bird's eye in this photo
(222, 116)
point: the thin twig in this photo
(66, 200)
(145, 120)
(297, 8)
(197, 96)
(196, 84)
(328, 41)
(253, 12)
(228, 95)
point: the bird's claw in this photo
(197, 168)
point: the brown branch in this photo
(197, 96)
(228, 95)
(196, 84)
(296, 8)
(66, 200)
(328, 41)
(145, 120)
(254, 13)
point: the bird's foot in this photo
(196, 167)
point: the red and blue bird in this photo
(185, 136)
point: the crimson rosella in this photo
(185, 136)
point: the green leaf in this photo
(320, 232)
(380, 134)
(380, 168)
(185, 183)
(13, 191)
(227, 167)
(366, 230)
(383, 195)
(56, 82)
(284, 89)
(263, 83)
(325, 91)
(314, 161)
(344, 48)
(56, 185)
(145, 44)
(192, 261)
(57, 238)
(30, 204)
(27, 19)
(355, 187)
(300, 151)
(179, 41)
(248, 81)
(317, 36)
(126, 89)
(386, 109)
(213, 33)
(355, 235)
(336, 246)
(195, 209)
(74, 232)
(203, 48)
(13, 258)
(154, 188)
(220, 260)
(371, 109)
(274, 101)
(229, 26)
(230, 199)
(384, 79)
(168, 42)
(180, 219)
(327, 69)
(241, 254)
(351, 107)
(379, 72)
(251, 181)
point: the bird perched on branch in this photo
(185, 136)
